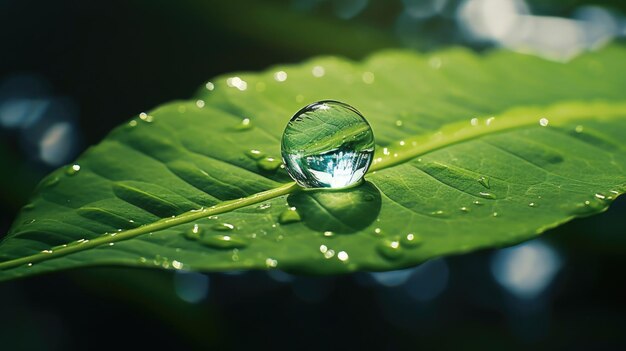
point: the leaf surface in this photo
(473, 151)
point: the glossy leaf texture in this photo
(473, 151)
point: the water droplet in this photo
(146, 117)
(289, 215)
(600, 196)
(390, 248)
(223, 241)
(177, 264)
(255, 154)
(223, 227)
(342, 256)
(245, 124)
(271, 263)
(474, 121)
(30, 264)
(72, 170)
(489, 120)
(335, 149)
(399, 123)
(236, 82)
(318, 71)
(368, 77)
(579, 129)
(265, 206)
(495, 214)
(477, 203)
(328, 233)
(200, 103)
(411, 240)
(435, 62)
(484, 181)
(269, 163)
(329, 253)
(194, 233)
(544, 122)
(590, 207)
(280, 76)
(210, 86)
(487, 195)
(438, 213)
(533, 204)
(377, 231)
(464, 209)
(132, 123)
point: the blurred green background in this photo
(70, 71)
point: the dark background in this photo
(79, 68)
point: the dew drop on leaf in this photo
(484, 181)
(223, 241)
(487, 195)
(72, 170)
(194, 233)
(245, 124)
(289, 215)
(255, 154)
(390, 248)
(223, 227)
(411, 240)
(269, 163)
(327, 144)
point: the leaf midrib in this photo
(557, 114)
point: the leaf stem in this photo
(164, 223)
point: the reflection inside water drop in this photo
(327, 144)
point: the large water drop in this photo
(327, 144)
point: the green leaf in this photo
(473, 151)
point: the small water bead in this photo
(389, 248)
(271, 263)
(72, 170)
(194, 233)
(245, 124)
(487, 195)
(327, 144)
(269, 163)
(146, 117)
(223, 227)
(223, 241)
(318, 71)
(411, 240)
(255, 154)
(484, 181)
(343, 256)
(289, 215)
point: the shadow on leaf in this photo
(338, 211)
